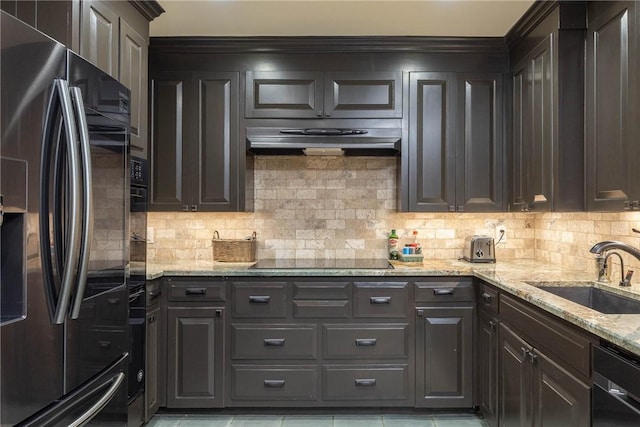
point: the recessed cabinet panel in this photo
(479, 168)
(99, 36)
(363, 95)
(431, 142)
(611, 117)
(168, 186)
(134, 75)
(283, 94)
(540, 83)
(444, 370)
(217, 148)
(195, 362)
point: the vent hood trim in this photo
(375, 142)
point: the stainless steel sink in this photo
(594, 298)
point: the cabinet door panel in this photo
(169, 182)
(195, 360)
(611, 118)
(443, 357)
(133, 74)
(363, 95)
(519, 158)
(214, 188)
(561, 399)
(539, 140)
(480, 150)
(99, 36)
(515, 380)
(487, 356)
(284, 94)
(152, 362)
(431, 157)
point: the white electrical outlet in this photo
(501, 234)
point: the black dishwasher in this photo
(616, 387)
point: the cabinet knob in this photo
(194, 208)
(218, 313)
(185, 208)
(493, 325)
(486, 298)
(420, 313)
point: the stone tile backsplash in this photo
(344, 207)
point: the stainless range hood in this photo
(324, 141)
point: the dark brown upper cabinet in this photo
(195, 154)
(309, 94)
(613, 107)
(455, 149)
(547, 150)
(100, 36)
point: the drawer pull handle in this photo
(368, 382)
(365, 342)
(274, 383)
(380, 300)
(259, 299)
(104, 344)
(274, 342)
(445, 291)
(196, 291)
(486, 298)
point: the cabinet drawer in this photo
(380, 299)
(388, 341)
(453, 290)
(320, 290)
(273, 341)
(274, 382)
(194, 291)
(259, 300)
(379, 382)
(548, 334)
(488, 298)
(324, 309)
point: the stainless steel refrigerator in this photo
(64, 235)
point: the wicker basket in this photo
(234, 250)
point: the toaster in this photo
(479, 249)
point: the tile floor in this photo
(385, 420)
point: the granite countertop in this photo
(510, 276)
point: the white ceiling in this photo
(338, 18)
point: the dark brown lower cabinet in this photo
(195, 362)
(536, 391)
(152, 363)
(487, 366)
(444, 371)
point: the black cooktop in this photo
(350, 264)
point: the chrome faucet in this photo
(609, 245)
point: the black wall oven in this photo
(137, 277)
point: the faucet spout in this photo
(601, 247)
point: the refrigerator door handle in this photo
(87, 211)
(66, 257)
(101, 403)
(73, 237)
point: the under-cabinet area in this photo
(452, 343)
